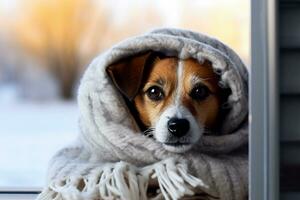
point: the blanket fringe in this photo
(125, 181)
(174, 180)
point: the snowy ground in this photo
(30, 133)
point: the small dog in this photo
(175, 101)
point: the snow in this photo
(30, 133)
(9, 93)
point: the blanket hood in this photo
(111, 159)
(106, 122)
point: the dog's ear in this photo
(127, 74)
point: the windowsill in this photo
(19, 193)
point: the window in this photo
(44, 48)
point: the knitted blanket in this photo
(112, 159)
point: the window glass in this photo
(46, 45)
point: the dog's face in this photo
(176, 99)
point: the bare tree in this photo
(61, 35)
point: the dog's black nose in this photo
(178, 127)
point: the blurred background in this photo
(45, 45)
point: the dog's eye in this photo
(199, 92)
(155, 93)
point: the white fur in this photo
(179, 86)
(162, 134)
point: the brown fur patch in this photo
(206, 111)
(164, 74)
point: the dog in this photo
(175, 101)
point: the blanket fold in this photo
(112, 159)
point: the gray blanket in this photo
(112, 159)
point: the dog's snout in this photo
(178, 127)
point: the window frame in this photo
(263, 138)
(264, 97)
(19, 193)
